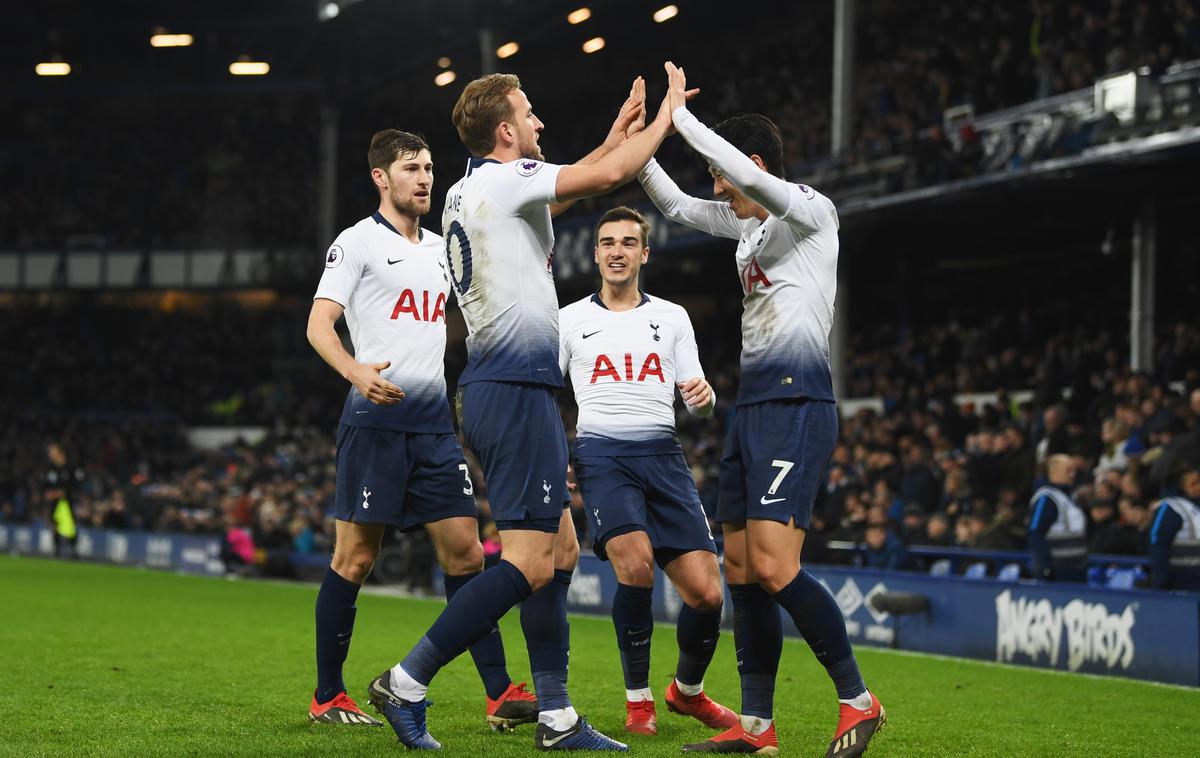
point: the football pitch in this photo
(102, 660)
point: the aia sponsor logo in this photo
(752, 275)
(407, 303)
(605, 368)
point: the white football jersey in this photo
(787, 267)
(624, 366)
(394, 294)
(500, 250)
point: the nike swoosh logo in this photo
(593, 334)
(393, 262)
(558, 739)
(765, 501)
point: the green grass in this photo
(101, 660)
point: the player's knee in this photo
(466, 560)
(538, 574)
(566, 555)
(632, 566)
(706, 598)
(770, 573)
(354, 564)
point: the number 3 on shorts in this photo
(784, 467)
(468, 488)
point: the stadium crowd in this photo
(915, 467)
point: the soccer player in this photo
(626, 353)
(785, 425)
(1057, 526)
(499, 246)
(399, 463)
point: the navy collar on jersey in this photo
(596, 299)
(379, 219)
(474, 163)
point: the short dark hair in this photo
(391, 145)
(755, 134)
(625, 213)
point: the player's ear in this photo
(758, 161)
(505, 134)
(379, 176)
(596, 254)
(645, 255)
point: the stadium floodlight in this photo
(247, 67)
(594, 44)
(507, 50)
(666, 13)
(443, 62)
(579, 15)
(53, 68)
(163, 39)
(444, 78)
(329, 11)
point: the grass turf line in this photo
(104, 660)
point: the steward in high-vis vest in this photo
(1057, 525)
(1175, 531)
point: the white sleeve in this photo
(564, 344)
(784, 200)
(708, 216)
(343, 269)
(687, 361)
(687, 355)
(524, 184)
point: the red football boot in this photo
(340, 710)
(701, 707)
(514, 707)
(640, 717)
(855, 729)
(735, 739)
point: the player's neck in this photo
(620, 297)
(504, 154)
(408, 226)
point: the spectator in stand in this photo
(920, 484)
(937, 532)
(884, 550)
(1057, 526)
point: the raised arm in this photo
(617, 167)
(709, 216)
(630, 120)
(779, 197)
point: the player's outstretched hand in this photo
(677, 94)
(366, 378)
(638, 91)
(696, 392)
(632, 110)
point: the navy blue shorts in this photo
(517, 432)
(775, 460)
(650, 493)
(404, 479)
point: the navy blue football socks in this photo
(633, 621)
(758, 643)
(696, 632)
(548, 637)
(469, 616)
(335, 622)
(819, 620)
(488, 653)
